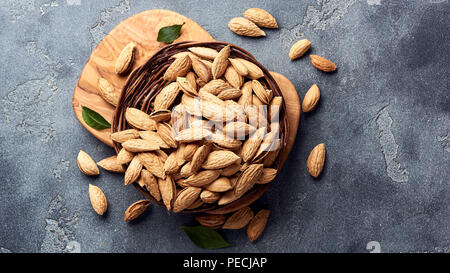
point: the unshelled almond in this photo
(125, 59)
(136, 209)
(167, 189)
(239, 219)
(268, 175)
(186, 86)
(220, 62)
(254, 72)
(233, 77)
(171, 165)
(322, 64)
(192, 79)
(186, 197)
(179, 68)
(154, 137)
(166, 97)
(125, 135)
(220, 159)
(209, 197)
(204, 52)
(98, 199)
(311, 98)
(133, 171)
(245, 27)
(152, 163)
(316, 160)
(202, 71)
(202, 178)
(108, 92)
(151, 184)
(211, 220)
(124, 156)
(222, 184)
(199, 157)
(139, 119)
(215, 86)
(111, 164)
(165, 132)
(251, 145)
(299, 49)
(261, 18)
(86, 164)
(257, 224)
(260, 91)
(248, 178)
(239, 66)
(140, 145)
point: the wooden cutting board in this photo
(143, 29)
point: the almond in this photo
(239, 219)
(186, 170)
(226, 142)
(246, 98)
(233, 77)
(239, 129)
(171, 165)
(168, 190)
(153, 164)
(179, 68)
(232, 169)
(86, 164)
(267, 176)
(261, 18)
(197, 203)
(199, 157)
(110, 164)
(270, 158)
(186, 197)
(124, 156)
(133, 171)
(220, 159)
(230, 94)
(202, 178)
(204, 52)
(192, 79)
(98, 199)
(211, 220)
(228, 197)
(316, 160)
(161, 115)
(125, 135)
(140, 145)
(260, 92)
(215, 86)
(208, 97)
(153, 136)
(275, 106)
(203, 72)
(254, 72)
(186, 87)
(322, 64)
(245, 27)
(311, 98)
(165, 132)
(151, 184)
(257, 224)
(209, 197)
(189, 151)
(139, 119)
(108, 92)
(238, 66)
(222, 184)
(166, 96)
(248, 178)
(136, 209)
(251, 145)
(220, 62)
(299, 48)
(191, 135)
(123, 62)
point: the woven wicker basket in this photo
(146, 82)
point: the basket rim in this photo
(258, 190)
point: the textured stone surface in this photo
(384, 116)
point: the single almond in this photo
(124, 156)
(220, 159)
(136, 209)
(208, 97)
(238, 66)
(202, 70)
(226, 142)
(311, 98)
(233, 77)
(245, 27)
(257, 224)
(98, 199)
(110, 164)
(153, 164)
(125, 59)
(316, 160)
(220, 62)
(199, 157)
(185, 198)
(171, 165)
(186, 87)
(168, 190)
(179, 68)
(186, 170)
(254, 72)
(165, 132)
(230, 94)
(251, 145)
(192, 79)
(189, 151)
(209, 197)
(108, 92)
(222, 184)
(215, 86)
(299, 49)
(267, 176)
(162, 115)
(133, 171)
(322, 64)
(271, 157)
(238, 128)
(248, 178)
(232, 169)
(261, 92)
(140, 145)
(191, 135)
(125, 135)
(211, 220)
(239, 219)
(139, 119)
(204, 52)
(153, 137)
(202, 178)
(261, 18)
(86, 164)
(246, 98)
(166, 96)
(228, 197)
(151, 184)
(197, 203)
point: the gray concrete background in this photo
(384, 117)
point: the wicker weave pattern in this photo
(146, 82)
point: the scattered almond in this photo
(125, 59)
(299, 49)
(245, 27)
(98, 199)
(239, 219)
(322, 64)
(257, 224)
(86, 164)
(108, 92)
(311, 98)
(316, 160)
(261, 18)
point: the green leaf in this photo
(94, 119)
(169, 34)
(205, 237)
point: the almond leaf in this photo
(94, 119)
(169, 34)
(205, 237)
